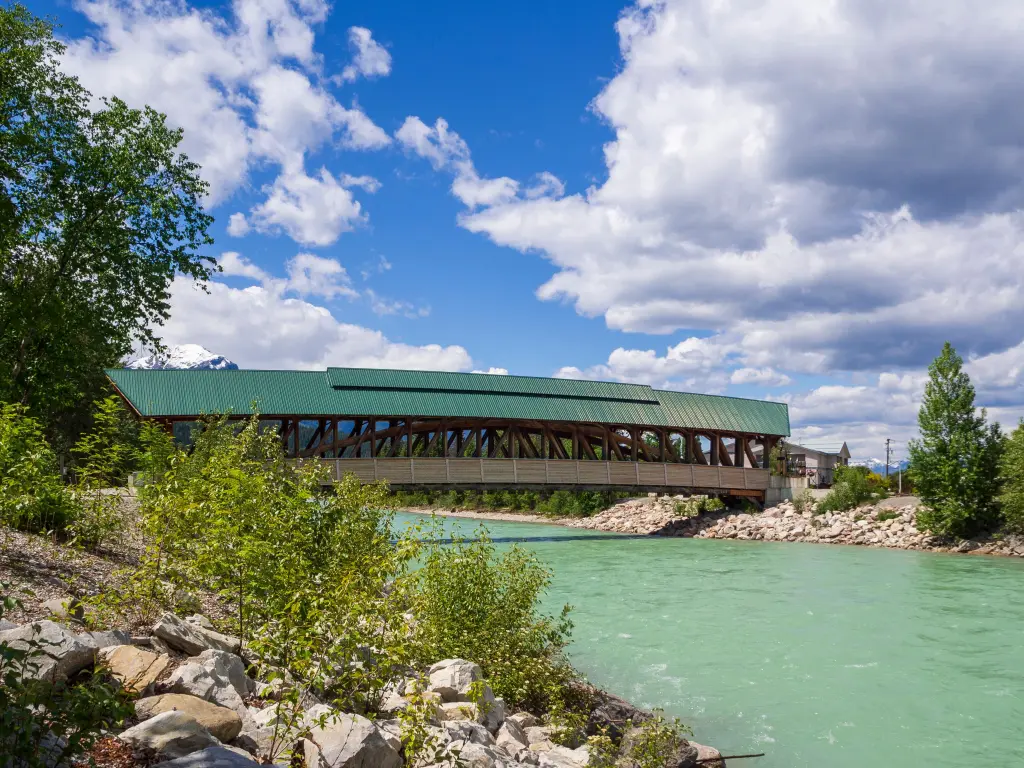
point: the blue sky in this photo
(765, 199)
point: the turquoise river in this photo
(824, 656)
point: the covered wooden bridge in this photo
(464, 430)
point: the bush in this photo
(32, 494)
(472, 603)
(695, 505)
(852, 487)
(804, 502)
(1011, 470)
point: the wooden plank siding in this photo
(539, 473)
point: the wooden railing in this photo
(549, 472)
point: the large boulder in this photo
(708, 757)
(350, 741)
(198, 680)
(512, 738)
(220, 722)
(191, 638)
(452, 678)
(170, 734)
(56, 653)
(524, 719)
(133, 667)
(212, 757)
(227, 667)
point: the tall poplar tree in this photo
(955, 464)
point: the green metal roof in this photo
(379, 392)
(460, 383)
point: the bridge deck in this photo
(553, 473)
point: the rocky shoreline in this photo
(870, 525)
(202, 701)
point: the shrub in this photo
(804, 502)
(852, 487)
(473, 603)
(32, 494)
(695, 505)
(43, 723)
(653, 743)
(887, 515)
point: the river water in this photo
(824, 656)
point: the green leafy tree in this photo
(956, 461)
(98, 213)
(1012, 474)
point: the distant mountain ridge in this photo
(878, 465)
(184, 357)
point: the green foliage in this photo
(654, 742)
(43, 723)
(804, 502)
(315, 581)
(105, 455)
(553, 504)
(474, 603)
(956, 461)
(32, 494)
(695, 505)
(887, 515)
(1011, 470)
(851, 487)
(98, 213)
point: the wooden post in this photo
(714, 450)
(663, 445)
(408, 438)
(738, 453)
(635, 435)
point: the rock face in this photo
(133, 667)
(191, 638)
(170, 734)
(220, 722)
(57, 653)
(351, 741)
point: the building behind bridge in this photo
(421, 428)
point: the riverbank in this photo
(885, 524)
(229, 711)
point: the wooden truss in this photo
(346, 437)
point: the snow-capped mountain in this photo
(878, 465)
(184, 356)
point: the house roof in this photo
(826, 449)
(383, 392)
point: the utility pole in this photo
(888, 453)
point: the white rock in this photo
(351, 741)
(227, 667)
(192, 639)
(56, 653)
(171, 734)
